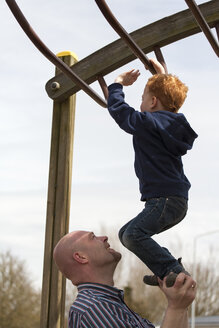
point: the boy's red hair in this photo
(169, 90)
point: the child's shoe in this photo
(151, 280)
(171, 278)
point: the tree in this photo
(208, 289)
(71, 293)
(147, 301)
(19, 301)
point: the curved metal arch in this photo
(107, 13)
(65, 68)
(114, 55)
(104, 8)
(119, 29)
(50, 55)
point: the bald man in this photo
(89, 262)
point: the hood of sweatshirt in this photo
(175, 131)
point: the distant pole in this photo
(194, 270)
(58, 204)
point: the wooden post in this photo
(58, 204)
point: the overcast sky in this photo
(104, 186)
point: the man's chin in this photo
(117, 256)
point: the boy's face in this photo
(148, 101)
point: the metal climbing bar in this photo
(203, 25)
(50, 55)
(124, 35)
(217, 30)
(103, 85)
(160, 57)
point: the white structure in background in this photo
(194, 269)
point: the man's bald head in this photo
(64, 251)
(84, 257)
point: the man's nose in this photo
(103, 238)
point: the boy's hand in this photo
(128, 78)
(157, 66)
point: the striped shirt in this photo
(101, 306)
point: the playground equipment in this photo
(72, 76)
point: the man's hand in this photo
(183, 292)
(157, 66)
(179, 297)
(128, 78)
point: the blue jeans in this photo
(158, 215)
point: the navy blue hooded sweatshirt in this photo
(160, 139)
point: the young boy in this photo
(160, 137)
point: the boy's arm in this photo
(128, 78)
(179, 297)
(130, 120)
(125, 116)
(157, 66)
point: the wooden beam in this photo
(117, 54)
(58, 207)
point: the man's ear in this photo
(80, 257)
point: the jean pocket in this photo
(175, 210)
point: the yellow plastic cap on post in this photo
(67, 53)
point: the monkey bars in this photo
(55, 87)
(155, 35)
(204, 25)
(124, 35)
(50, 55)
(135, 48)
(149, 38)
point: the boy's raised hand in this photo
(128, 78)
(157, 66)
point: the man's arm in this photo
(179, 297)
